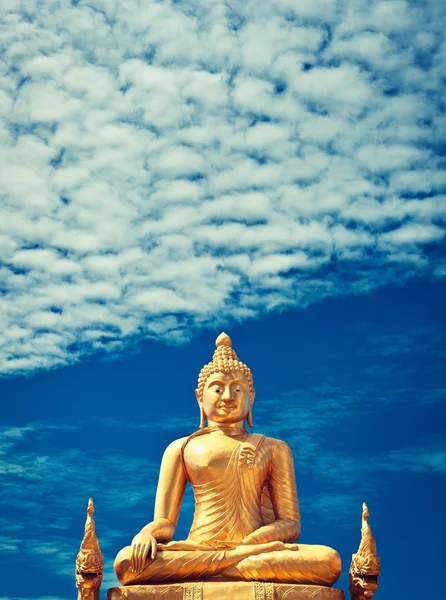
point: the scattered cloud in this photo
(391, 373)
(46, 494)
(46, 480)
(429, 459)
(334, 507)
(31, 477)
(175, 166)
(8, 544)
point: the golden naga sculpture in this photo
(89, 561)
(365, 567)
(246, 519)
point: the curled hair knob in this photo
(223, 340)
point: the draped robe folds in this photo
(255, 495)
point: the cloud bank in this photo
(168, 167)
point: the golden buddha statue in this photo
(246, 519)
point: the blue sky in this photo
(355, 385)
(172, 169)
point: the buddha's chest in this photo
(213, 457)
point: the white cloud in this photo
(417, 459)
(389, 157)
(414, 234)
(157, 162)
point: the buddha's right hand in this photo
(143, 545)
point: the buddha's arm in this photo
(169, 495)
(282, 488)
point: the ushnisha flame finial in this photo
(365, 566)
(223, 340)
(89, 561)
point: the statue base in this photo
(224, 590)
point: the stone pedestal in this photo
(224, 590)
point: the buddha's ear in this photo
(202, 414)
(251, 402)
(253, 397)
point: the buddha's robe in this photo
(255, 496)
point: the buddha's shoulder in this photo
(178, 446)
(175, 447)
(276, 445)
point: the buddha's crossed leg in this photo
(185, 565)
(311, 564)
(264, 562)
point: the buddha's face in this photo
(226, 397)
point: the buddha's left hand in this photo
(265, 547)
(282, 546)
(279, 545)
(292, 547)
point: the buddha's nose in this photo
(226, 394)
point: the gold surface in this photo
(215, 590)
(365, 566)
(89, 561)
(246, 516)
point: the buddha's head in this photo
(225, 390)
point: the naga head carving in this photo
(365, 565)
(89, 561)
